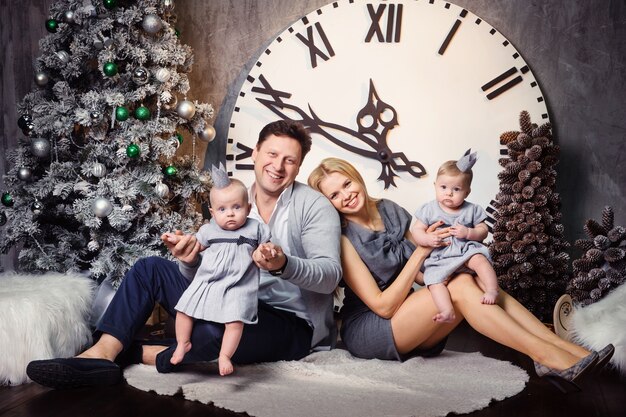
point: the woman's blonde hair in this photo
(331, 165)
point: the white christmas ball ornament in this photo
(162, 190)
(186, 109)
(101, 207)
(151, 23)
(41, 78)
(40, 147)
(24, 174)
(99, 170)
(68, 16)
(63, 56)
(162, 75)
(207, 134)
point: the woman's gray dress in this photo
(366, 334)
(226, 284)
(447, 260)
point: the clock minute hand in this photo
(319, 126)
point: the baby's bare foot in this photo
(489, 297)
(179, 353)
(225, 365)
(444, 316)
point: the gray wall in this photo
(576, 49)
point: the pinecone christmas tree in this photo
(96, 179)
(527, 247)
(602, 267)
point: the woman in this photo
(383, 318)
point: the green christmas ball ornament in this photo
(142, 113)
(52, 25)
(121, 113)
(179, 137)
(109, 69)
(7, 199)
(170, 171)
(133, 150)
(109, 4)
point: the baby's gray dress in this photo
(447, 260)
(226, 284)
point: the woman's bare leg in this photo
(413, 326)
(499, 325)
(533, 325)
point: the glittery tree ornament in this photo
(133, 150)
(142, 113)
(602, 266)
(528, 245)
(121, 113)
(52, 25)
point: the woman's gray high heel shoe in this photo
(565, 380)
(604, 356)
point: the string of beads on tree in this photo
(602, 266)
(527, 247)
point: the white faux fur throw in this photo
(334, 383)
(41, 317)
(603, 322)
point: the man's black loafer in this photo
(63, 373)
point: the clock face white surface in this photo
(444, 81)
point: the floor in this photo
(603, 395)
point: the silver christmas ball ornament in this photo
(207, 134)
(37, 207)
(24, 174)
(40, 147)
(41, 78)
(186, 109)
(162, 75)
(162, 190)
(99, 170)
(140, 76)
(151, 23)
(95, 115)
(93, 246)
(69, 16)
(173, 142)
(168, 5)
(63, 56)
(101, 207)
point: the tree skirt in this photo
(336, 384)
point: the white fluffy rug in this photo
(336, 384)
(41, 317)
(603, 322)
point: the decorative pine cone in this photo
(542, 130)
(525, 123)
(508, 137)
(603, 264)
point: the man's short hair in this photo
(294, 130)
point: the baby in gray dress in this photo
(463, 249)
(225, 287)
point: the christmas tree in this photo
(97, 178)
(528, 243)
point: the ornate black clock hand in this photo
(375, 120)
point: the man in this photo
(295, 292)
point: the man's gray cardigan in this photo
(314, 264)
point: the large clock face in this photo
(395, 87)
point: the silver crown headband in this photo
(219, 176)
(467, 161)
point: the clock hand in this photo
(375, 120)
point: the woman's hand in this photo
(435, 238)
(183, 247)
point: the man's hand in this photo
(435, 238)
(183, 247)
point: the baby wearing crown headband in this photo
(463, 251)
(225, 287)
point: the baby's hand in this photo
(267, 251)
(459, 231)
